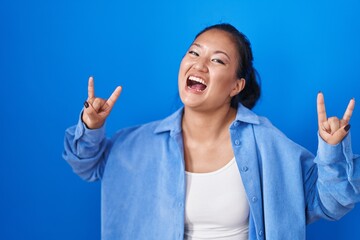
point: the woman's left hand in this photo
(332, 130)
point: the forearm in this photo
(338, 182)
(85, 150)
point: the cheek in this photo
(225, 85)
(185, 63)
(224, 80)
(184, 67)
(182, 71)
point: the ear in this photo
(238, 87)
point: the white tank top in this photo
(216, 206)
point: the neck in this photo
(209, 125)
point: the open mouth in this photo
(196, 83)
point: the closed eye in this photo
(218, 61)
(192, 52)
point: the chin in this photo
(188, 103)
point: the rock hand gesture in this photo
(332, 130)
(97, 109)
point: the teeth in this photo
(196, 79)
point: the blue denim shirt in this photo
(143, 181)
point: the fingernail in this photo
(347, 127)
(86, 104)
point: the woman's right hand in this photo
(97, 109)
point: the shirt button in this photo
(260, 233)
(236, 124)
(244, 169)
(254, 199)
(237, 142)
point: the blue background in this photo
(49, 48)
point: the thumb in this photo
(90, 117)
(340, 134)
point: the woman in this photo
(213, 169)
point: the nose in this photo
(200, 65)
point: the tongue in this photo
(198, 86)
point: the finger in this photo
(89, 112)
(349, 110)
(325, 126)
(114, 96)
(343, 123)
(321, 112)
(91, 89)
(97, 104)
(89, 115)
(334, 123)
(339, 135)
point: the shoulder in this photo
(143, 130)
(261, 125)
(270, 137)
(152, 130)
(265, 132)
(265, 126)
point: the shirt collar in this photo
(173, 122)
(246, 115)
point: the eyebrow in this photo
(217, 51)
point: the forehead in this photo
(217, 40)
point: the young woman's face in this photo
(207, 77)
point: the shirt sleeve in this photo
(85, 150)
(334, 183)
